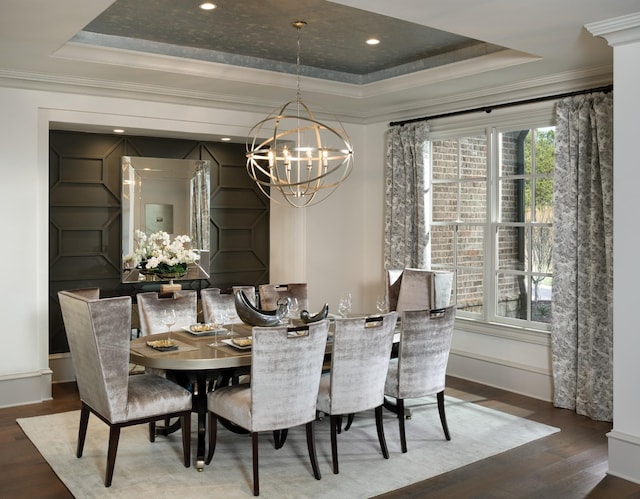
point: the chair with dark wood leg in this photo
(151, 308)
(99, 332)
(286, 364)
(355, 382)
(421, 366)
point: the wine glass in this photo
(347, 298)
(293, 309)
(381, 304)
(344, 305)
(218, 321)
(227, 312)
(169, 319)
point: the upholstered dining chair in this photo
(421, 366)
(355, 382)
(271, 293)
(213, 300)
(418, 289)
(286, 364)
(151, 307)
(99, 331)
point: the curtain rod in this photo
(488, 109)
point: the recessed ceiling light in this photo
(225, 139)
(373, 41)
(118, 130)
(207, 6)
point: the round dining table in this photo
(210, 359)
(207, 358)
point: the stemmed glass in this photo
(218, 322)
(169, 319)
(344, 305)
(381, 304)
(293, 309)
(227, 314)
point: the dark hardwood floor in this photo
(569, 464)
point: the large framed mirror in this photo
(165, 204)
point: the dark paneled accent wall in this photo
(85, 224)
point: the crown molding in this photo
(617, 31)
(524, 89)
(265, 78)
(510, 92)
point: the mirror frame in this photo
(175, 193)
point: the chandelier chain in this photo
(298, 92)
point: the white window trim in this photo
(536, 115)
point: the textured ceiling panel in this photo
(259, 34)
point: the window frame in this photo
(531, 116)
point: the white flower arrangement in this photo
(157, 253)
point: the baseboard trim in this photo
(525, 380)
(624, 455)
(62, 367)
(25, 388)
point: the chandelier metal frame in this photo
(301, 158)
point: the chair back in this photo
(213, 299)
(99, 332)
(359, 362)
(393, 279)
(271, 293)
(285, 374)
(418, 289)
(423, 354)
(151, 307)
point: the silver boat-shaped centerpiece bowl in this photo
(249, 314)
(307, 318)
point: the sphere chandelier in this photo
(301, 158)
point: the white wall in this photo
(23, 200)
(624, 440)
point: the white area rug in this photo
(154, 470)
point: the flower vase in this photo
(170, 272)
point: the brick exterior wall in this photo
(466, 200)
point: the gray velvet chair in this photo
(99, 331)
(355, 383)
(418, 289)
(212, 300)
(421, 366)
(151, 306)
(271, 293)
(286, 364)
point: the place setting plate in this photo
(204, 329)
(163, 345)
(242, 343)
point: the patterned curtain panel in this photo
(582, 333)
(405, 235)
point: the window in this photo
(489, 199)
